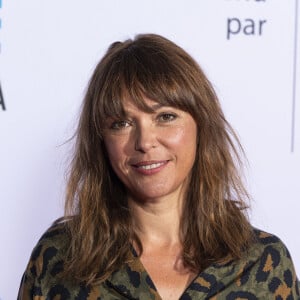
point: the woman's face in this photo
(152, 153)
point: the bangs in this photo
(137, 72)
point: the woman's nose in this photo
(145, 137)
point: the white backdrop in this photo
(48, 50)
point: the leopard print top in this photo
(265, 272)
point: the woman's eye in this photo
(167, 117)
(117, 125)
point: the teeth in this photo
(152, 166)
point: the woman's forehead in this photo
(143, 104)
(130, 99)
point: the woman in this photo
(155, 205)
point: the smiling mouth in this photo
(152, 166)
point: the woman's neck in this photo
(157, 222)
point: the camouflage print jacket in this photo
(266, 272)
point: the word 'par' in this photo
(248, 27)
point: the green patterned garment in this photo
(266, 272)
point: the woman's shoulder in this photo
(265, 271)
(270, 264)
(42, 277)
(270, 250)
(50, 251)
(270, 243)
(54, 240)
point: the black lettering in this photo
(233, 27)
(2, 104)
(236, 26)
(249, 28)
(261, 23)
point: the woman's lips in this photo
(149, 167)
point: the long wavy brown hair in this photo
(214, 226)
